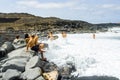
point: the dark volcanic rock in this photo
(14, 66)
(94, 78)
(6, 48)
(49, 66)
(3, 52)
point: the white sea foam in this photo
(98, 56)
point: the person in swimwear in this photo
(35, 46)
(94, 36)
(27, 37)
(64, 35)
(50, 36)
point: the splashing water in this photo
(90, 56)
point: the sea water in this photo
(100, 56)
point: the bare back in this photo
(32, 42)
(64, 35)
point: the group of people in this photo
(51, 37)
(32, 42)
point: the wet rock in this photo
(3, 52)
(46, 45)
(11, 74)
(94, 78)
(17, 66)
(0, 75)
(17, 78)
(71, 66)
(31, 74)
(40, 78)
(17, 63)
(66, 77)
(16, 58)
(33, 62)
(66, 70)
(49, 66)
(8, 46)
(64, 73)
(19, 58)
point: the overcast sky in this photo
(92, 11)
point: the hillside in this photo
(29, 22)
(110, 25)
(106, 26)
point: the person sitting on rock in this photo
(35, 46)
(27, 38)
(17, 39)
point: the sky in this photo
(92, 11)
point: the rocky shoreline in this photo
(22, 65)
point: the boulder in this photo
(10, 74)
(66, 70)
(20, 58)
(17, 63)
(66, 77)
(17, 66)
(32, 63)
(49, 66)
(71, 66)
(3, 52)
(53, 75)
(40, 78)
(31, 74)
(0, 75)
(94, 78)
(8, 46)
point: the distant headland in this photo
(29, 22)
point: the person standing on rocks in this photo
(35, 46)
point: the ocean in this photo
(100, 56)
